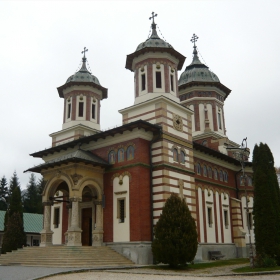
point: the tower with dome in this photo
(108, 188)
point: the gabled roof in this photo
(74, 156)
(102, 135)
(33, 223)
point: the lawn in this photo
(195, 266)
(256, 269)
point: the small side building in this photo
(33, 225)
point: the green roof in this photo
(33, 223)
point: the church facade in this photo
(109, 187)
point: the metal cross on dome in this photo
(84, 51)
(153, 17)
(194, 39)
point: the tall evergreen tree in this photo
(266, 208)
(14, 228)
(40, 188)
(14, 182)
(3, 192)
(175, 241)
(14, 237)
(31, 199)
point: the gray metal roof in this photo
(33, 223)
(197, 72)
(74, 156)
(154, 41)
(83, 75)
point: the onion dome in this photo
(197, 71)
(83, 77)
(155, 44)
(154, 41)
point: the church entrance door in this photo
(87, 226)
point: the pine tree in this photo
(175, 240)
(14, 182)
(14, 235)
(3, 192)
(266, 207)
(31, 199)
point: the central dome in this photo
(154, 41)
(197, 72)
(83, 75)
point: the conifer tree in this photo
(31, 198)
(14, 182)
(40, 188)
(266, 207)
(3, 192)
(14, 237)
(14, 234)
(175, 240)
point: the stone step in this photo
(63, 256)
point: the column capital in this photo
(97, 202)
(47, 203)
(75, 199)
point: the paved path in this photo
(128, 276)
(27, 273)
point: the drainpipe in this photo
(236, 184)
(151, 181)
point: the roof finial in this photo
(154, 26)
(194, 39)
(84, 59)
(84, 52)
(195, 57)
(153, 17)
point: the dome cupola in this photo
(197, 71)
(83, 77)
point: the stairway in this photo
(64, 256)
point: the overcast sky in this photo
(41, 44)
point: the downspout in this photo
(236, 183)
(151, 182)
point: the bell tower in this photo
(201, 91)
(82, 94)
(155, 64)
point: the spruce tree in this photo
(14, 182)
(3, 192)
(14, 237)
(40, 188)
(31, 198)
(175, 240)
(266, 207)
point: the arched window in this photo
(112, 157)
(225, 176)
(249, 180)
(221, 175)
(204, 170)
(182, 157)
(215, 174)
(120, 155)
(209, 172)
(198, 169)
(130, 153)
(175, 154)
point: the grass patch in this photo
(195, 266)
(256, 269)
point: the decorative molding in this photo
(177, 122)
(76, 177)
(121, 192)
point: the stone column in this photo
(75, 232)
(97, 233)
(46, 233)
(69, 207)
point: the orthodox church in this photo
(108, 188)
